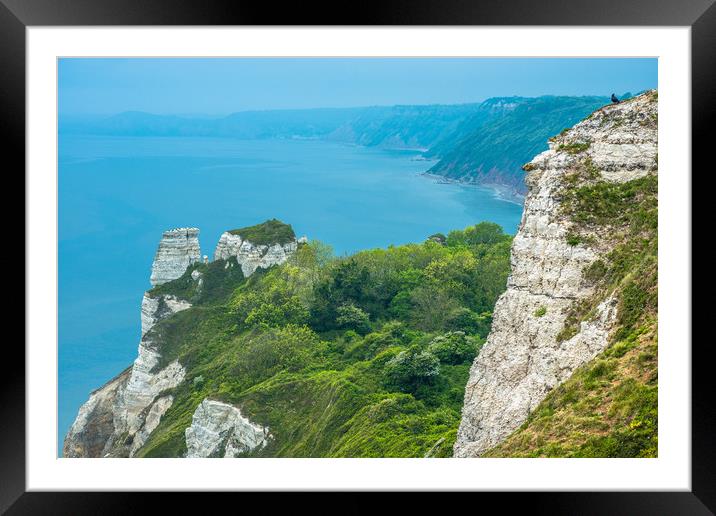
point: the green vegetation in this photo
(492, 147)
(573, 239)
(269, 232)
(359, 356)
(218, 280)
(541, 311)
(628, 214)
(573, 148)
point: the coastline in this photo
(500, 192)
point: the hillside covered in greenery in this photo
(492, 145)
(358, 356)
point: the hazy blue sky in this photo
(222, 86)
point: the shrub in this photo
(411, 368)
(438, 238)
(454, 347)
(482, 233)
(541, 311)
(573, 239)
(353, 318)
(464, 319)
(289, 311)
(573, 148)
(274, 350)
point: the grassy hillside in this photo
(492, 149)
(360, 356)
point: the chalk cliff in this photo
(119, 416)
(530, 350)
(260, 246)
(178, 249)
(251, 256)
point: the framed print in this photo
(422, 249)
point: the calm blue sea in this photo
(117, 195)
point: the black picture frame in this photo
(700, 15)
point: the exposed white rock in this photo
(178, 249)
(251, 256)
(143, 387)
(129, 406)
(220, 430)
(119, 417)
(522, 360)
(154, 309)
(151, 421)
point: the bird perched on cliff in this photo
(615, 100)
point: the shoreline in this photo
(500, 192)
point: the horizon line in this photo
(264, 110)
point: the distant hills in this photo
(491, 146)
(482, 143)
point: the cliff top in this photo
(181, 230)
(270, 232)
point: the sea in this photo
(116, 195)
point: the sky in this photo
(219, 86)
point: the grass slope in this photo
(270, 232)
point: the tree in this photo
(482, 233)
(454, 347)
(412, 368)
(464, 319)
(351, 317)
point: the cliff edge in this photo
(588, 229)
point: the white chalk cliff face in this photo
(251, 256)
(523, 360)
(118, 417)
(220, 430)
(178, 249)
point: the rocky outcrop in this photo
(252, 256)
(524, 358)
(118, 417)
(89, 435)
(151, 421)
(154, 309)
(178, 249)
(220, 430)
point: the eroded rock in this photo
(251, 256)
(221, 430)
(178, 249)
